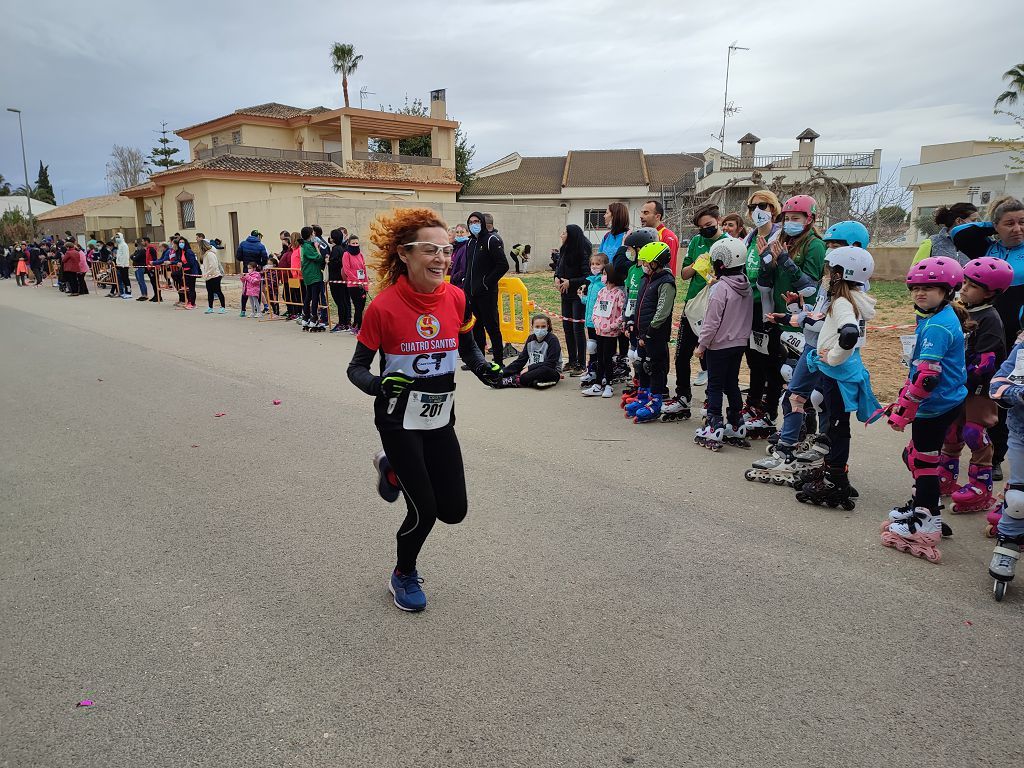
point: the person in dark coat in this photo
(485, 264)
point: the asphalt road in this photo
(617, 595)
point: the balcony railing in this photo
(856, 160)
(756, 161)
(266, 152)
(384, 157)
(771, 162)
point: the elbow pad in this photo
(915, 392)
(848, 336)
(982, 365)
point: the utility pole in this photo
(726, 108)
(24, 162)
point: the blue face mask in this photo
(474, 228)
(793, 228)
(540, 333)
(461, 239)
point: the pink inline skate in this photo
(976, 496)
(949, 472)
(919, 534)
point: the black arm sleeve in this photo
(359, 370)
(468, 351)
(848, 336)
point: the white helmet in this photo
(729, 252)
(856, 263)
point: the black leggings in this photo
(212, 290)
(429, 468)
(190, 289)
(485, 308)
(358, 296)
(539, 374)
(723, 379)
(766, 381)
(928, 434)
(340, 295)
(686, 343)
(311, 302)
(575, 333)
(837, 427)
(604, 369)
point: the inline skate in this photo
(675, 409)
(812, 461)
(904, 512)
(629, 393)
(759, 426)
(781, 467)
(918, 533)
(649, 411)
(949, 473)
(976, 496)
(643, 394)
(710, 436)
(833, 489)
(735, 434)
(1004, 563)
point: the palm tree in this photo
(1009, 97)
(344, 61)
(25, 191)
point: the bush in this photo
(16, 226)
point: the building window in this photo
(187, 214)
(216, 141)
(593, 218)
(148, 217)
(236, 137)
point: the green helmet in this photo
(655, 254)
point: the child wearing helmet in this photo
(724, 335)
(785, 463)
(984, 279)
(930, 402)
(653, 325)
(845, 382)
(625, 263)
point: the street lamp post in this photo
(24, 162)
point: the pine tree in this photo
(44, 191)
(163, 156)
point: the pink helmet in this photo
(804, 204)
(991, 274)
(936, 270)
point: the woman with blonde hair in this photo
(419, 325)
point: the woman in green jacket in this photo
(312, 266)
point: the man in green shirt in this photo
(696, 268)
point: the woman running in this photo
(417, 323)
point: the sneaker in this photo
(700, 380)
(256, 315)
(126, 296)
(407, 592)
(143, 298)
(209, 311)
(242, 313)
(575, 372)
(608, 391)
(221, 311)
(588, 378)
(595, 391)
(354, 330)
(337, 328)
(155, 299)
(190, 306)
(387, 480)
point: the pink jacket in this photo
(353, 269)
(251, 283)
(608, 309)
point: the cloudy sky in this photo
(533, 76)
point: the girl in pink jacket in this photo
(608, 324)
(353, 272)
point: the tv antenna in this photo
(727, 107)
(363, 93)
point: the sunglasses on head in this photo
(762, 206)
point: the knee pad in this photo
(787, 372)
(796, 402)
(817, 398)
(1014, 504)
(976, 436)
(921, 463)
(591, 346)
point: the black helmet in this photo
(638, 238)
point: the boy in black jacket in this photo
(485, 265)
(653, 327)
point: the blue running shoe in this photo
(407, 592)
(388, 490)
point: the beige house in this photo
(962, 171)
(91, 217)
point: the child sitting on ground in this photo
(541, 356)
(608, 323)
(251, 289)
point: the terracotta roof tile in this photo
(534, 176)
(669, 169)
(606, 168)
(80, 207)
(270, 109)
(315, 168)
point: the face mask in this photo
(604, 279)
(708, 232)
(461, 239)
(595, 270)
(793, 228)
(646, 268)
(474, 228)
(353, 249)
(540, 333)
(181, 244)
(631, 254)
(760, 218)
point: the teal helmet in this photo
(848, 233)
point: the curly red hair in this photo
(391, 230)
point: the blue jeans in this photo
(140, 278)
(803, 383)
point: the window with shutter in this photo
(187, 214)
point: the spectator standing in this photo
(486, 263)
(651, 215)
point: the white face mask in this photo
(540, 333)
(760, 217)
(595, 270)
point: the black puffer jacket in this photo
(485, 261)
